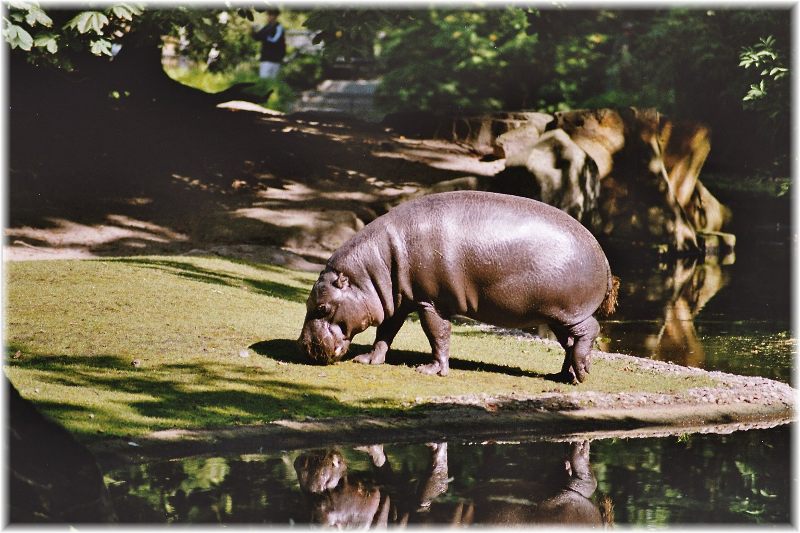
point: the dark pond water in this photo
(730, 317)
(708, 479)
(733, 316)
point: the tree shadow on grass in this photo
(288, 351)
(143, 399)
(188, 270)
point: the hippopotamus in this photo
(503, 260)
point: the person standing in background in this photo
(273, 45)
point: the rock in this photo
(51, 477)
(516, 145)
(565, 176)
(647, 167)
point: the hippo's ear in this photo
(341, 281)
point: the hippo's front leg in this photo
(385, 334)
(437, 329)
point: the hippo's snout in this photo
(319, 471)
(323, 342)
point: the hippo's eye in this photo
(323, 309)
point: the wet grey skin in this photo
(503, 260)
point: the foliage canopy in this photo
(726, 67)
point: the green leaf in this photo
(126, 11)
(17, 37)
(101, 47)
(37, 16)
(48, 41)
(122, 12)
(98, 21)
(79, 22)
(88, 20)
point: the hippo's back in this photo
(498, 258)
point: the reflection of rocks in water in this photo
(51, 477)
(561, 494)
(670, 299)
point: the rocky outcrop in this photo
(630, 175)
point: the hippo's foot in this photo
(434, 368)
(580, 367)
(375, 452)
(575, 370)
(371, 358)
(567, 376)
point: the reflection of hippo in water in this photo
(335, 500)
(563, 497)
(499, 259)
(560, 494)
(342, 500)
(320, 471)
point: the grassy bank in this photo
(127, 346)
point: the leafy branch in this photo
(26, 19)
(763, 56)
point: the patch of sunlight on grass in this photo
(131, 345)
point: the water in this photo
(706, 479)
(730, 316)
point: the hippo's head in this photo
(319, 470)
(335, 313)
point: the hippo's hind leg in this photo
(577, 342)
(437, 329)
(385, 334)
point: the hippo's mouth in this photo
(323, 342)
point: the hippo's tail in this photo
(609, 304)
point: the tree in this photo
(688, 63)
(118, 47)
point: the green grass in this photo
(78, 326)
(273, 93)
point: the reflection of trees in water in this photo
(663, 304)
(246, 488)
(737, 478)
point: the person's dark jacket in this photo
(273, 42)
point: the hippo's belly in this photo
(513, 276)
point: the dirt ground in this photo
(236, 181)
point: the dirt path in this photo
(232, 181)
